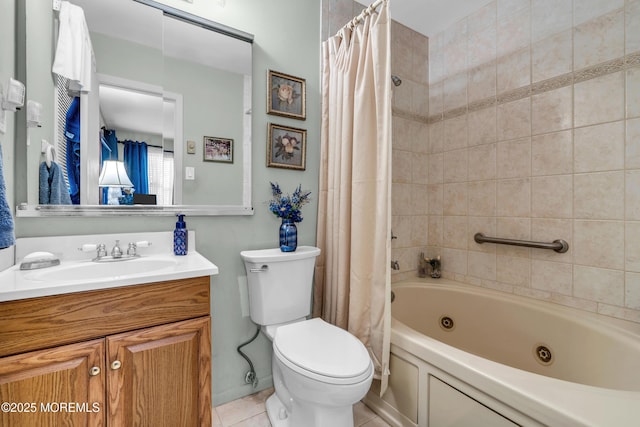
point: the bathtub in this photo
(468, 356)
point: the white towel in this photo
(74, 53)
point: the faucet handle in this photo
(100, 249)
(131, 250)
(88, 247)
(133, 246)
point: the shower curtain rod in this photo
(358, 19)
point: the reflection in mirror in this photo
(157, 86)
(138, 125)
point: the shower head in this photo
(396, 80)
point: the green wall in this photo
(287, 39)
(7, 69)
(209, 110)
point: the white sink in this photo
(77, 273)
(88, 271)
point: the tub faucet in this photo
(395, 265)
(436, 265)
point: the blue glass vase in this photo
(288, 235)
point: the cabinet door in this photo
(62, 386)
(161, 376)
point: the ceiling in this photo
(429, 17)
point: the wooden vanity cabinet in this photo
(34, 384)
(132, 356)
(162, 376)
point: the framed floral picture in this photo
(217, 149)
(286, 95)
(286, 147)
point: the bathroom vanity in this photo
(138, 354)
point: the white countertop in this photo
(16, 284)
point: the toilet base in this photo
(279, 417)
(276, 411)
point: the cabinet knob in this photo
(116, 364)
(94, 371)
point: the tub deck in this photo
(489, 358)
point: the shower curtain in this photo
(352, 281)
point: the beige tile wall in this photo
(409, 61)
(534, 133)
(409, 51)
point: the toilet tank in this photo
(280, 283)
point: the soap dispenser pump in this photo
(180, 237)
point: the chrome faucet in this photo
(395, 265)
(116, 252)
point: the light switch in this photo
(189, 173)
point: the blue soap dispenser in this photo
(180, 237)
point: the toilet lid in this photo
(323, 349)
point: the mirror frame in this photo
(25, 210)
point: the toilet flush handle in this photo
(262, 269)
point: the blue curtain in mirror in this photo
(136, 164)
(109, 145)
(72, 133)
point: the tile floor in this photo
(249, 411)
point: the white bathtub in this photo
(484, 371)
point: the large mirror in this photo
(170, 100)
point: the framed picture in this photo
(286, 147)
(217, 149)
(287, 95)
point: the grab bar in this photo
(559, 245)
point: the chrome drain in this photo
(446, 323)
(543, 355)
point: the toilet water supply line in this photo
(250, 377)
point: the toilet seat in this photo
(323, 352)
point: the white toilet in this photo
(319, 370)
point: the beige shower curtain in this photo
(352, 282)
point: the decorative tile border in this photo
(397, 112)
(629, 61)
(551, 84)
(435, 118)
(599, 70)
(633, 59)
(482, 104)
(456, 112)
(514, 95)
